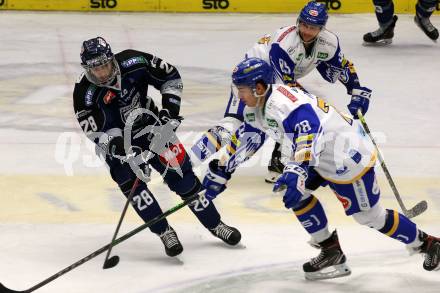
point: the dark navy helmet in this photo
(314, 14)
(252, 70)
(97, 52)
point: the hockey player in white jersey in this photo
(293, 52)
(326, 143)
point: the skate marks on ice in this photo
(386, 271)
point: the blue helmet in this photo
(314, 14)
(97, 52)
(251, 70)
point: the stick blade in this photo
(111, 262)
(418, 209)
(3, 289)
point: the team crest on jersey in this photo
(109, 97)
(133, 61)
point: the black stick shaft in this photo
(121, 218)
(114, 243)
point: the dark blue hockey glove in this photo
(360, 99)
(294, 177)
(215, 179)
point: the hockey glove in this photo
(165, 117)
(360, 99)
(215, 179)
(294, 177)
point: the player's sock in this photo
(330, 263)
(384, 34)
(311, 215)
(171, 242)
(399, 227)
(228, 234)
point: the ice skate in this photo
(431, 249)
(228, 234)
(426, 26)
(381, 36)
(330, 263)
(171, 242)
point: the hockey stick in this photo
(419, 207)
(114, 260)
(117, 241)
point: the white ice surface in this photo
(52, 214)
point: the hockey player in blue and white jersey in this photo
(293, 52)
(324, 143)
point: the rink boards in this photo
(224, 6)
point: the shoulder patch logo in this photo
(133, 61)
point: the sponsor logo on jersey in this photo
(173, 157)
(288, 94)
(133, 61)
(272, 122)
(283, 35)
(82, 113)
(250, 117)
(89, 95)
(346, 202)
(322, 55)
(109, 97)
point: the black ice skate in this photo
(275, 169)
(426, 26)
(330, 263)
(228, 234)
(383, 35)
(172, 244)
(431, 249)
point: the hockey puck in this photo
(111, 262)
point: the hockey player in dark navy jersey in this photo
(114, 110)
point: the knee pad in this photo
(373, 218)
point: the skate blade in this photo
(381, 43)
(272, 177)
(332, 272)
